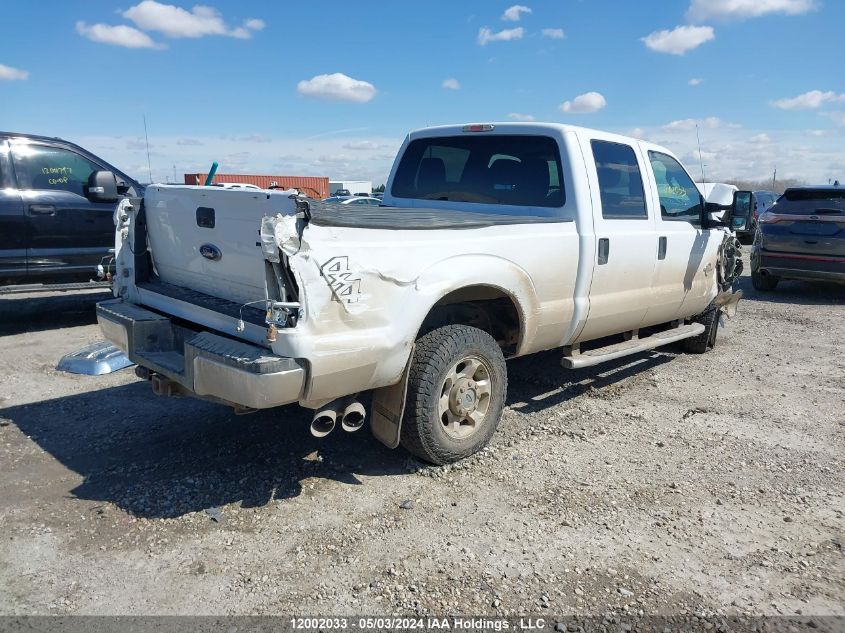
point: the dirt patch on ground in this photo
(664, 483)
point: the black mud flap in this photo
(388, 408)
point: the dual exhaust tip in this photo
(350, 414)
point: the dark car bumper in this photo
(807, 267)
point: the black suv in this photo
(802, 236)
(54, 226)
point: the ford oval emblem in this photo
(210, 251)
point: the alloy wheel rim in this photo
(465, 397)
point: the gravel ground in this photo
(660, 484)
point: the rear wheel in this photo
(707, 339)
(761, 281)
(456, 393)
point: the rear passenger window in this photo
(680, 199)
(507, 170)
(620, 181)
(51, 168)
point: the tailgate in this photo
(814, 235)
(208, 239)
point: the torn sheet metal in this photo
(279, 232)
(96, 359)
(728, 301)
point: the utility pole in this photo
(147, 139)
(700, 159)
(774, 177)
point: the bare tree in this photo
(766, 185)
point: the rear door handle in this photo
(661, 247)
(604, 250)
(42, 209)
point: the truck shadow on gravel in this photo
(165, 457)
(793, 292)
(19, 314)
(539, 382)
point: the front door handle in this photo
(604, 250)
(661, 247)
(42, 209)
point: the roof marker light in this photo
(479, 127)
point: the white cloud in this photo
(837, 117)
(679, 40)
(695, 81)
(7, 73)
(818, 132)
(585, 103)
(302, 156)
(808, 101)
(512, 14)
(451, 84)
(119, 35)
(253, 138)
(337, 87)
(637, 132)
(761, 138)
(516, 116)
(555, 34)
(739, 9)
(177, 22)
(364, 145)
(254, 24)
(728, 154)
(710, 123)
(796, 152)
(485, 35)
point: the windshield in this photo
(516, 171)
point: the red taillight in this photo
(478, 127)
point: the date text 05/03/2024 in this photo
(419, 624)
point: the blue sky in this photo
(330, 88)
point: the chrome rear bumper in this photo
(203, 364)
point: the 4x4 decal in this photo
(345, 285)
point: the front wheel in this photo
(456, 392)
(707, 339)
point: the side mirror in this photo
(102, 187)
(715, 215)
(741, 210)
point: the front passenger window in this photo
(680, 199)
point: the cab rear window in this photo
(520, 171)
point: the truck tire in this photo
(763, 283)
(707, 339)
(456, 392)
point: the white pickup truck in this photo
(494, 241)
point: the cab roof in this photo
(525, 127)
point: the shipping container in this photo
(355, 187)
(312, 186)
